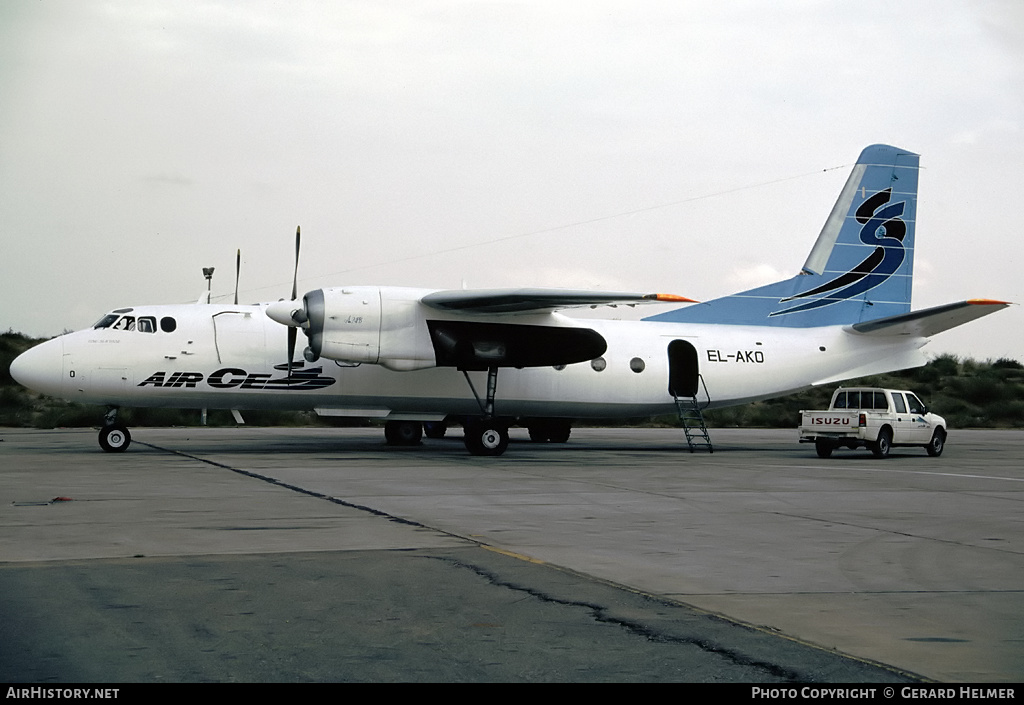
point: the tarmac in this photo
(315, 554)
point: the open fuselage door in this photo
(683, 371)
(684, 383)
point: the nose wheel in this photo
(115, 438)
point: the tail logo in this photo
(882, 226)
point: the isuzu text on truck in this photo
(874, 418)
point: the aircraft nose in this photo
(41, 368)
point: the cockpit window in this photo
(106, 321)
(143, 324)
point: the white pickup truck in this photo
(874, 418)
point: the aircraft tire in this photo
(435, 429)
(115, 438)
(486, 438)
(559, 431)
(538, 433)
(550, 430)
(403, 433)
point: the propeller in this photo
(238, 273)
(292, 331)
(309, 314)
(295, 275)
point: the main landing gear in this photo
(403, 433)
(410, 433)
(114, 436)
(549, 430)
(487, 435)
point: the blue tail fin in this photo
(860, 268)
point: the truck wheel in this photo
(882, 446)
(937, 443)
(824, 448)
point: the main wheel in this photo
(115, 438)
(486, 438)
(403, 433)
(434, 429)
(883, 445)
(538, 432)
(550, 430)
(824, 448)
(559, 430)
(937, 443)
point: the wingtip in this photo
(672, 298)
(989, 302)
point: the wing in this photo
(537, 300)
(930, 321)
(475, 344)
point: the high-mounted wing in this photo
(469, 344)
(537, 300)
(395, 327)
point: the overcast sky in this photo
(686, 147)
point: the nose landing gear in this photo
(114, 436)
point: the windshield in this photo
(106, 321)
(116, 320)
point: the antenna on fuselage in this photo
(208, 273)
(238, 273)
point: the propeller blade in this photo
(295, 292)
(238, 273)
(295, 277)
(291, 348)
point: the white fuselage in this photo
(234, 357)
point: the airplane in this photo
(419, 358)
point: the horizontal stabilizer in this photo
(536, 300)
(929, 321)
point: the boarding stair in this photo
(691, 413)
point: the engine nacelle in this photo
(370, 324)
(391, 327)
